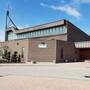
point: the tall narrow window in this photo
(23, 50)
(61, 53)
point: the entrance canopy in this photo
(82, 44)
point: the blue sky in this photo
(26, 13)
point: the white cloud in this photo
(82, 1)
(44, 5)
(2, 35)
(68, 9)
(64, 8)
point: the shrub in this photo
(14, 57)
(8, 56)
(5, 54)
(19, 58)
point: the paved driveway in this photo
(64, 70)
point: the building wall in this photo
(42, 50)
(47, 32)
(42, 54)
(56, 30)
(84, 53)
(75, 34)
(56, 37)
(52, 42)
(69, 51)
(17, 45)
(53, 51)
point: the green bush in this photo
(19, 58)
(5, 54)
(8, 56)
(14, 57)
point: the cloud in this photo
(82, 1)
(2, 35)
(44, 5)
(64, 8)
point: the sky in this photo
(26, 13)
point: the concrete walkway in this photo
(63, 70)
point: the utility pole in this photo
(9, 23)
(7, 14)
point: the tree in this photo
(5, 54)
(14, 57)
(19, 58)
(8, 56)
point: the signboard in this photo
(42, 45)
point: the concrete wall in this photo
(56, 37)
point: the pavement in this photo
(63, 70)
(45, 76)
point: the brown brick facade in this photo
(49, 52)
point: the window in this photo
(26, 35)
(21, 36)
(43, 32)
(36, 34)
(31, 34)
(60, 29)
(10, 36)
(64, 29)
(22, 52)
(47, 31)
(50, 30)
(61, 53)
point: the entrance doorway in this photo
(85, 54)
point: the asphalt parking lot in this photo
(63, 70)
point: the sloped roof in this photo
(38, 27)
